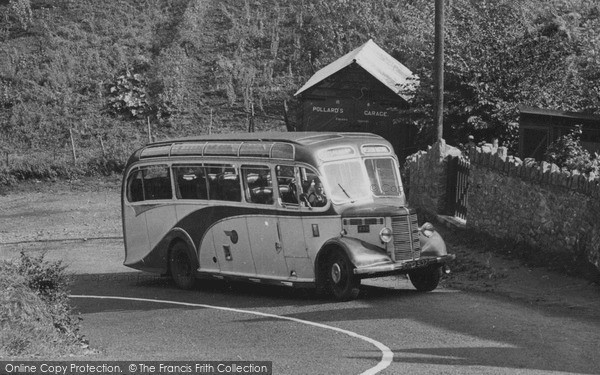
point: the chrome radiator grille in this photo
(406, 237)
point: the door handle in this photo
(278, 246)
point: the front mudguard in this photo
(360, 253)
(364, 254)
(433, 246)
(372, 261)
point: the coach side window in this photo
(190, 182)
(288, 184)
(258, 184)
(224, 183)
(157, 182)
(150, 183)
(135, 187)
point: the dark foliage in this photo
(567, 152)
(102, 70)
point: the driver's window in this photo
(287, 184)
(309, 180)
(312, 193)
(258, 184)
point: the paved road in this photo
(446, 331)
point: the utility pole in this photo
(438, 69)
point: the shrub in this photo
(105, 166)
(6, 178)
(50, 281)
(24, 322)
(44, 168)
(35, 315)
(39, 167)
(567, 152)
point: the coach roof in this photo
(303, 138)
(273, 145)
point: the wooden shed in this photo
(363, 91)
(538, 128)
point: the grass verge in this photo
(36, 319)
(475, 250)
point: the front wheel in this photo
(427, 279)
(339, 277)
(181, 267)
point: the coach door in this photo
(290, 223)
(230, 234)
(263, 224)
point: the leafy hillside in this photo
(102, 72)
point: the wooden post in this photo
(251, 119)
(73, 145)
(439, 69)
(249, 125)
(252, 114)
(211, 121)
(102, 146)
(149, 130)
(286, 118)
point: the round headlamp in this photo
(427, 229)
(385, 235)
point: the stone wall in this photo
(555, 211)
(427, 175)
(552, 210)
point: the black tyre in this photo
(427, 279)
(181, 267)
(339, 277)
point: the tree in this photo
(129, 96)
(500, 54)
(21, 11)
(568, 152)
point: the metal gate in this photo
(457, 187)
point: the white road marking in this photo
(387, 355)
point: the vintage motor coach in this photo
(300, 209)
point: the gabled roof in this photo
(376, 62)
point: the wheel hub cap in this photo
(336, 273)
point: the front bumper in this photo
(402, 267)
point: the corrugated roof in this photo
(376, 62)
(552, 112)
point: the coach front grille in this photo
(406, 237)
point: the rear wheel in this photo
(339, 277)
(181, 267)
(427, 279)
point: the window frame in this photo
(223, 166)
(199, 165)
(141, 169)
(248, 197)
(379, 191)
(295, 178)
